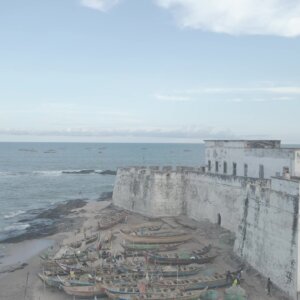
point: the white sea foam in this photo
(16, 227)
(52, 172)
(13, 214)
(81, 171)
(48, 173)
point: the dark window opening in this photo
(225, 167)
(219, 219)
(261, 172)
(285, 171)
(245, 170)
(234, 169)
(209, 165)
(217, 166)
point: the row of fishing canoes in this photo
(128, 286)
(79, 277)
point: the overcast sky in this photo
(149, 70)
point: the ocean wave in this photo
(16, 227)
(14, 214)
(59, 172)
(47, 173)
(90, 171)
(82, 171)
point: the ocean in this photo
(39, 175)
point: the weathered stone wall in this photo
(149, 192)
(262, 213)
(265, 221)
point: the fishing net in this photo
(235, 293)
(210, 295)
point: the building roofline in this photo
(242, 140)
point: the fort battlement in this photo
(164, 169)
(250, 187)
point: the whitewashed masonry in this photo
(262, 211)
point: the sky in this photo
(149, 70)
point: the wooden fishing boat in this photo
(109, 221)
(85, 291)
(51, 281)
(75, 255)
(72, 268)
(162, 272)
(153, 294)
(152, 226)
(75, 245)
(150, 247)
(163, 233)
(156, 239)
(174, 259)
(91, 239)
(210, 282)
(81, 280)
(80, 269)
(180, 261)
(58, 281)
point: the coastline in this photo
(20, 261)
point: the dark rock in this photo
(105, 196)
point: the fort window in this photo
(234, 169)
(225, 167)
(217, 166)
(245, 170)
(219, 219)
(261, 171)
(209, 165)
(285, 170)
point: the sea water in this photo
(38, 175)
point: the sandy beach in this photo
(23, 283)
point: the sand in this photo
(24, 283)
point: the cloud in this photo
(172, 98)
(193, 132)
(101, 5)
(233, 94)
(262, 99)
(274, 90)
(238, 17)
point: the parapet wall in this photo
(263, 214)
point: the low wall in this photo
(264, 220)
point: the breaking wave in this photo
(16, 227)
(14, 214)
(59, 173)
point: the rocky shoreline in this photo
(45, 222)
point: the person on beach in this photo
(235, 282)
(228, 278)
(269, 286)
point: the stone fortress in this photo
(250, 187)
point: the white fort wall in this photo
(263, 214)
